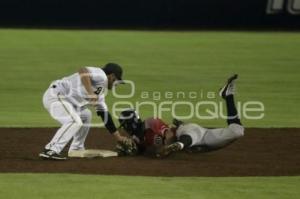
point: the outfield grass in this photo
(37, 186)
(268, 64)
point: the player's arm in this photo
(102, 111)
(86, 81)
(109, 124)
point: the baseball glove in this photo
(127, 148)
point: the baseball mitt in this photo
(127, 148)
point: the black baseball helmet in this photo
(130, 121)
(115, 69)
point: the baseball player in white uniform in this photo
(66, 100)
(193, 137)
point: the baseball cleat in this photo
(229, 87)
(51, 155)
(167, 150)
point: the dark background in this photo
(187, 14)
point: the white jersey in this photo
(74, 91)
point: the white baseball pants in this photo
(75, 123)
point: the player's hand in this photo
(93, 98)
(121, 138)
(126, 140)
(166, 150)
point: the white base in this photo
(92, 153)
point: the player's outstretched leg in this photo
(227, 93)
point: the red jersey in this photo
(154, 131)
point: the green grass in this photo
(64, 186)
(268, 64)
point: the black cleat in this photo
(229, 87)
(51, 155)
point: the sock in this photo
(232, 114)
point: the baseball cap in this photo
(115, 69)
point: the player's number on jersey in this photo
(98, 91)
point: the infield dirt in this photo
(261, 152)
